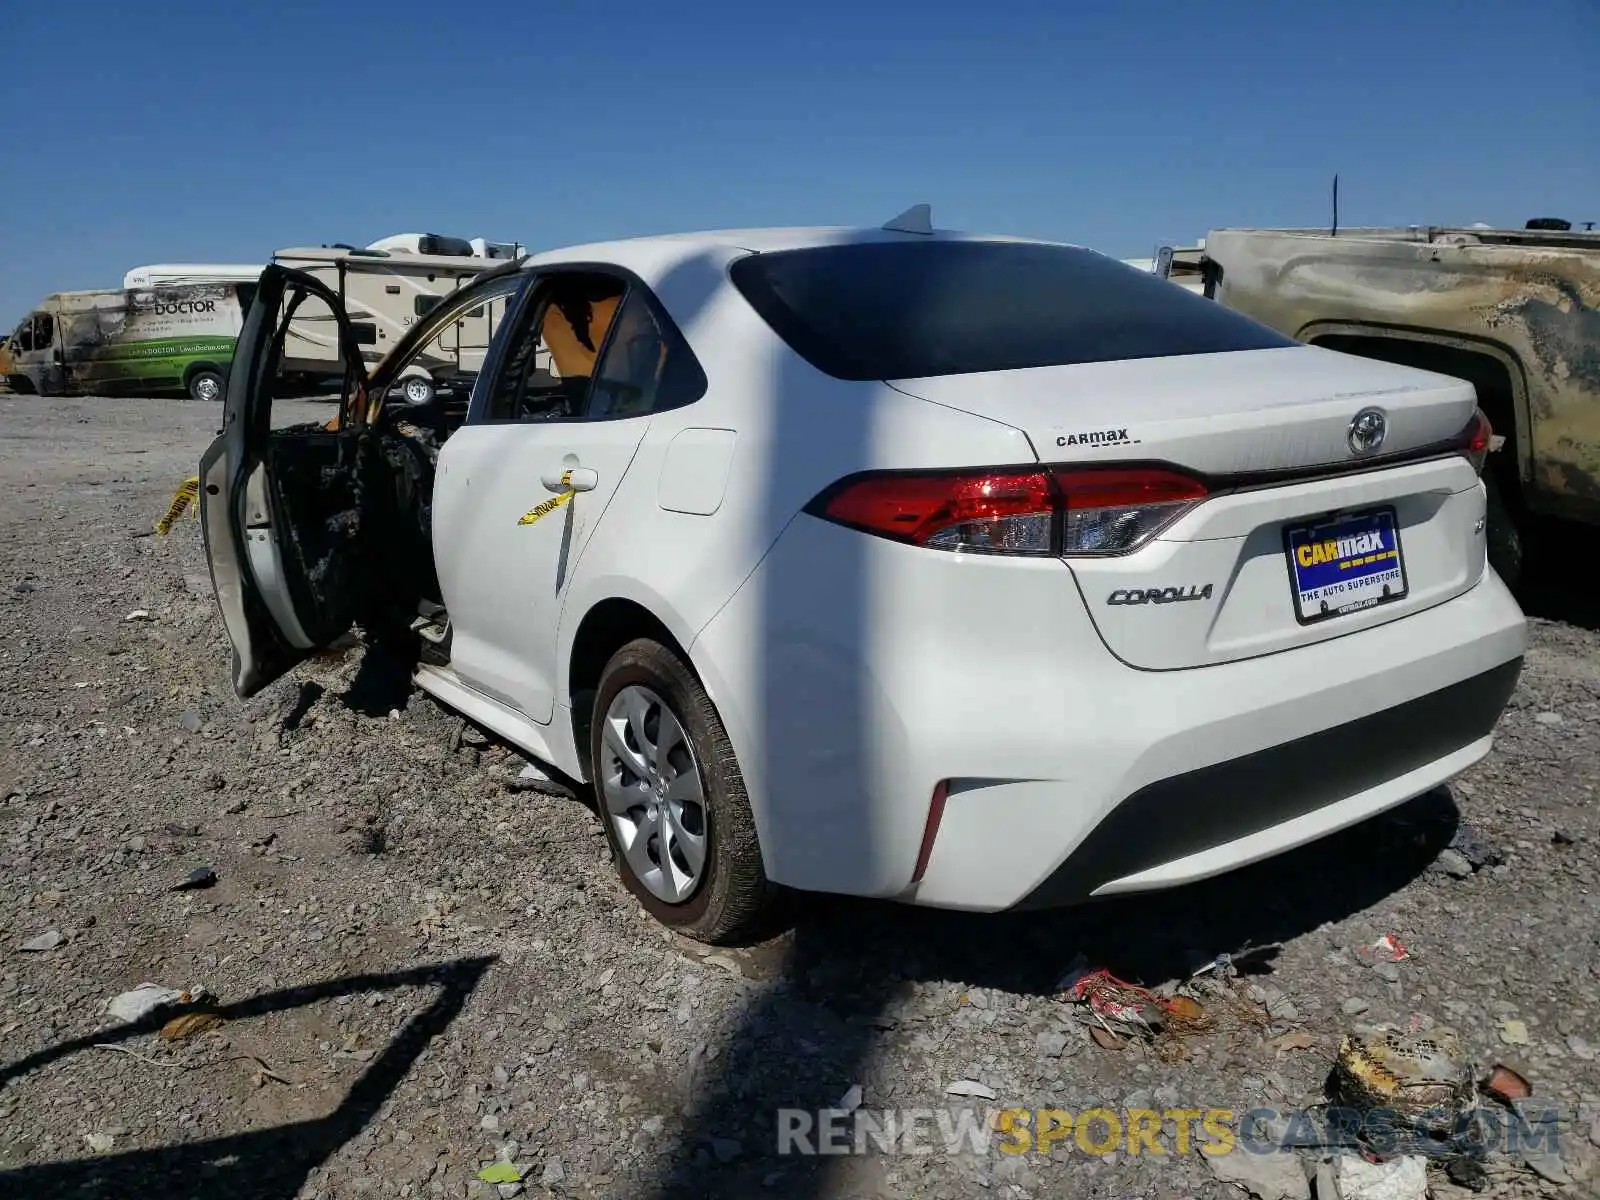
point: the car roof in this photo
(643, 252)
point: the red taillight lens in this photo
(1476, 440)
(1111, 511)
(1041, 511)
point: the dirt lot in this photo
(422, 969)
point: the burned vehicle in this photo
(967, 572)
(1516, 312)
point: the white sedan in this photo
(963, 571)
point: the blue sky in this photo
(218, 132)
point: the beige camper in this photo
(385, 291)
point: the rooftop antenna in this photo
(916, 219)
(1334, 232)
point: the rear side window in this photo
(902, 310)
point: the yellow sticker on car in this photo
(550, 505)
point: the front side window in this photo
(44, 331)
(904, 310)
(550, 361)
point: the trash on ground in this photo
(1514, 1032)
(51, 939)
(1117, 1011)
(970, 1087)
(1388, 949)
(138, 614)
(1398, 1179)
(188, 491)
(1274, 1175)
(200, 877)
(143, 1000)
(1506, 1085)
(500, 1172)
(1421, 1079)
(189, 1025)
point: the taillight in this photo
(1476, 440)
(1117, 509)
(1038, 511)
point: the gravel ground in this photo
(421, 968)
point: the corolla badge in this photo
(1368, 428)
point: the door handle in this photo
(572, 479)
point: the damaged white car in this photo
(968, 572)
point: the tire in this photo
(1501, 531)
(20, 384)
(418, 390)
(208, 386)
(729, 897)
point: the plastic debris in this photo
(1388, 949)
(200, 877)
(1420, 1079)
(1275, 1175)
(1399, 1179)
(1506, 1085)
(500, 1172)
(138, 614)
(143, 1000)
(51, 939)
(970, 1087)
(188, 491)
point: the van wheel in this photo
(672, 799)
(1503, 536)
(206, 385)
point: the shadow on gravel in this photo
(809, 1037)
(265, 1164)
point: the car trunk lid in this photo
(1300, 538)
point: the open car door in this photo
(286, 525)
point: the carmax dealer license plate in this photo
(1345, 564)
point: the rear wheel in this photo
(206, 385)
(672, 799)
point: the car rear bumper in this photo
(855, 675)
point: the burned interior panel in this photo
(352, 512)
(1514, 298)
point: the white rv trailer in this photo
(385, 287)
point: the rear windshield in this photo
(901, 310)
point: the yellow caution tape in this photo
(188, 492)
(550, 505)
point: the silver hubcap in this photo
(207, 389)
(654, 795)
(416, 390)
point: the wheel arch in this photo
(608, 623)
(1492, 368)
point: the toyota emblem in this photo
(1368, 428)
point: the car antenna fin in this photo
(916, 219)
